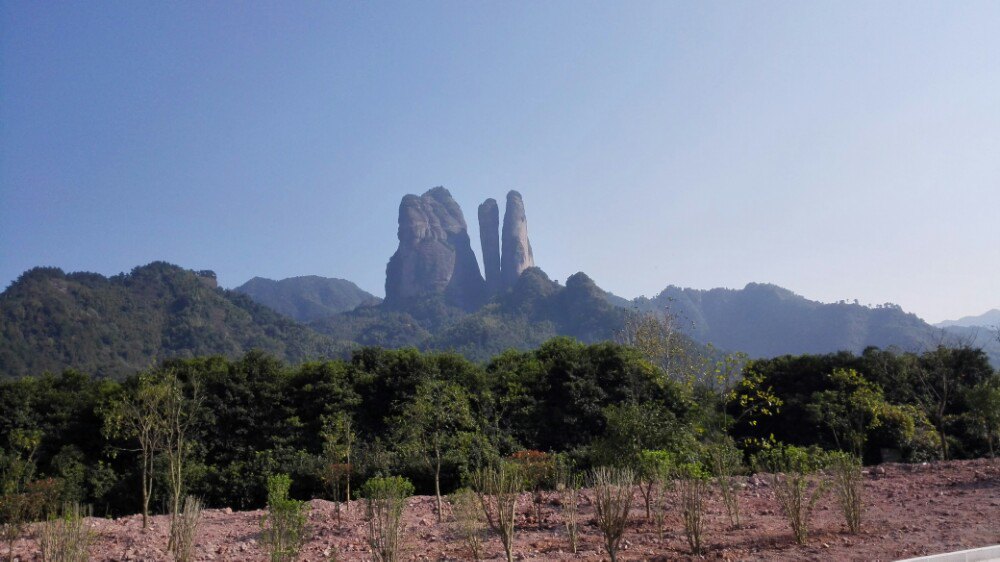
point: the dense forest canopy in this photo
(592, 404)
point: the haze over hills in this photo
(990, 319)
(765, 320)
(307, 298)
(436, 299)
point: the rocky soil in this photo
(911, 510)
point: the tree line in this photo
(218, 428)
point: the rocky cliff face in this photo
(435, 254)
(516, 256)
(489, 236)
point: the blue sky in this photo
(841, 150)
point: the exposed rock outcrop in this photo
(489, 237)
(516, 256)
(435, 254)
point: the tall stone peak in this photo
(435, 254)
(516, 254)
(489, 237)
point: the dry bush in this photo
(692, 490)
(22, 503)
(797, 487)
(385, 500)
(569, 496)
(498, 489)
(469, 523)
(183, 527)
(66, 538)
(726, 463)
(612, 488)
(846, 470)
(538, 469)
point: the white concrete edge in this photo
(984, 554)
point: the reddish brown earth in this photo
(911, 510)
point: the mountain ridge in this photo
(307, 297)
(988, 319)
(113, 326)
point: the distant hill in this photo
(437, 299)
(51, 320)
(534, 310)
(989, 319)
(766, 320)
(307, 298)
(987, 339)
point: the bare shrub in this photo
(661, 505)
(569, 496)
(498, 489)
(797, 488)
(66, 538)
(612, 488)
(23, 504)
(726, 462)
(385, 500)
(283, 528)
(183, 527)
(469, 523)
(692, 489)
(846, 470)
(537, 469)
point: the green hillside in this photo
(765, 320)
(306, 298)
(51, 320)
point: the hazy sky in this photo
(841, 150)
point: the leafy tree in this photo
(943, 374)
(338, 444)
(181, 410)
(984, 410)
(850, 410)
(631, 429)
(434, 427)
(140, 412)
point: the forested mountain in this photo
(51, 320)
(534, 310)
(307, 298)
(436, 300)
(765, 320)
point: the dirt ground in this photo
(911, 510)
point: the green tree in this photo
(140, 412)
(984, 411)
(283, 527)
(434, 428)
(338, 445)
(181, 411)
(943, 376)
(850, 410)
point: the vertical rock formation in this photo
(489, 237)
(516, 256)
(435, 253)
